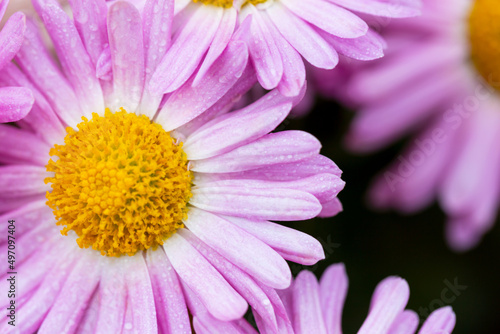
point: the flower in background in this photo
(15, 102)
(278, 33)
(158, 196)
(439, 78)
(314, 307)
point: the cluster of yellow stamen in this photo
(121, 183)
(484, 34)
(218, 3)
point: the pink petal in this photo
(22, 147)
(333, 290)
(169, 297)
(23, 181)
(188, 102)
(394, 8)
(303, 37)
(15, 103)
(405, 323)
(441, 320)
(291, 244)
(388, 301)
(11, 37)
(127, 54)
(234, 130)
(209, 286)
(187, 50)
(75, 295)
(36, 62)
(328, 17)
(221, 40)
(74, 59)
(256, 203)
(308, 317)
(241, 248)
(275, 148)
(263, 50)
(90, 21)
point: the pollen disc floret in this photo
(218, 3)
(121, 183)
(484, 34)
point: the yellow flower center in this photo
(484, 34)
(121, 183)
(218, 3)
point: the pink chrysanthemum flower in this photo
(278, 33)
(440, 77)
(313, 307)
(149, 197)
(15, 102)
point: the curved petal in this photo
(15, 103)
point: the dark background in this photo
(374, 245)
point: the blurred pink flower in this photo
(433, 81)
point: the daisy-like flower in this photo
(148, 197)
(278, 32)
(440, 77)
(15, 102)
(314, 307)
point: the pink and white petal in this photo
(75, 295)
(3, 7)
(221, 40)
(187, 50)
(224, 104)
(294, 71)
(367, 47)
(208, 285)
(157, 28)
(36, 62)
(331, 208)
(127, 55)
(22, 147)
(206, 324)
(241, 248)
(113, 291)
(275, 148)
(90, 21)
(291, 244)
(72, 55)
(239, 279)
(28, 217)
(398, 8)
(233, 130)
(140, 315)
(88, 321)
(333, 288)
(328, 17)
(256, 203)
(405, 323)
(388, 302)
(322, 186)
(440, 321)
(170, 305)
(290, 171)
(15, 103)
(42, 120)
(104, 66)
(188, 102)
(307, 312)
(11, 37)
(304, 38)
(263, 50)
(23, 180)
(36, 308)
